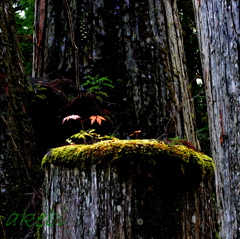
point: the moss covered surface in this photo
(173, 159)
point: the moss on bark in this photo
(179, 159)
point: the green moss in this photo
(175, 158)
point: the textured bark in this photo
(138, 42)
(16, 138)
(127, 200)
(219, 30)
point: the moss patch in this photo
(173, 158)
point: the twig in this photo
(116, 129)
(4, 232)
(108, 102)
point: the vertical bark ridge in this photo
(218, 29)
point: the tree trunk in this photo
(128, 189)
(219, 30)
(16, 137)
(137, 44)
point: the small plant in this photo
(175, 141)
(88, 137)
(178, 141)
(84, 135)
(93, 118)
(96, 85)
(97, 118)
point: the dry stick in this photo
(76, 56)
(81, 121)
(116, 129)
(176, 112)
(4, 232)
(108, 102)
(19, 154)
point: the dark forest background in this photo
(47, 109)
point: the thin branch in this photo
(4, 232)
(116, 129)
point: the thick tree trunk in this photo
(219, 36)
(138, 42)
(16, 137)
(128, 189)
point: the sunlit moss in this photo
(129, 152)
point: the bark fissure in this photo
(219, 41)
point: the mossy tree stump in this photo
(128, 189)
